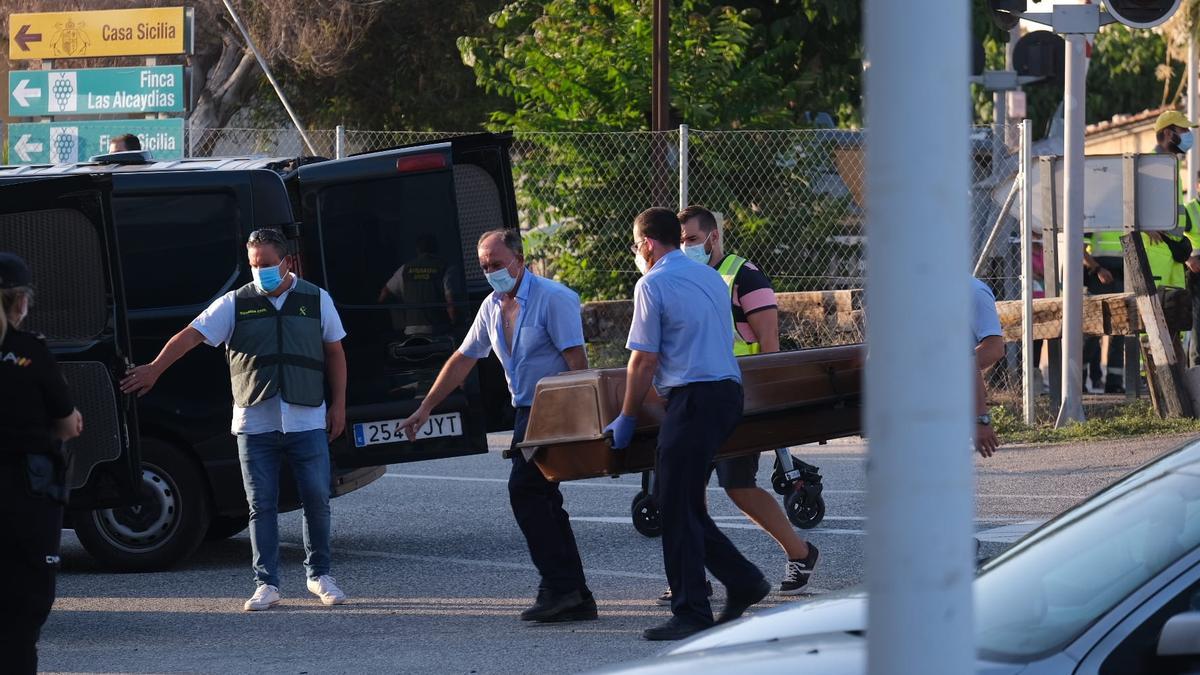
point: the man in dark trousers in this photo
(35, 414)
(755, 331)
(680, 340)
(534, 326)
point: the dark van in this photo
(126, 251)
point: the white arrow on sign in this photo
(24, 147)
(23, 93)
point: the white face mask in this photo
(696, 251)
(639, 261)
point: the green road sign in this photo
(66, 142)
(95, 91)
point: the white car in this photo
(1111, 586)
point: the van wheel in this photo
(166, 524)
(224, 527)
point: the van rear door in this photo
(63, 227)
(391, 235)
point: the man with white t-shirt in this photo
(283, 337)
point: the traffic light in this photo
(1141, 13)
(1005, 12)
(1042, 54)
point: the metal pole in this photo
(1193, 155)
(262, 63)
(683, 166)
(660, 88)
(340, 141)
(920, 478)
(1028, 367)
(1072, 339)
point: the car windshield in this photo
(1046, 591)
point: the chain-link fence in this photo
(792, 201)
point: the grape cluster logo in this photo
(64, 145)
(64, 92)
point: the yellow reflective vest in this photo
(729, 269)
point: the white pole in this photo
(262, 63)
(920, 485)
(1072, 256)
(683, 166)
(1193, 155)
(1028, 367)
(339, 148)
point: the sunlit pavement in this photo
(437, 571)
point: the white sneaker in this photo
(265, 597)
(324, 588)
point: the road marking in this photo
(636, 486)
(474, 562)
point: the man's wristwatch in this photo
(985, 419)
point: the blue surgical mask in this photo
(501, 280)
(1185, 141)
(267, 278)
(696, 251)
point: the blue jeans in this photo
(307, 453)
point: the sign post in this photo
(75, 141)
(119, 32)
(96, 91)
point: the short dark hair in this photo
(267, 236)
(658, 224)
(510, 236)
(704, 218)
(130, 141)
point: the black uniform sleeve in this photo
(54, 387)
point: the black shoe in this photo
(673, 629)
(665, 598)
(797, 573)
(584, 611)
(737, 603)
(551, 606)
(1114, 389)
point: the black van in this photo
(126, 251)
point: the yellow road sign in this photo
(118, 32)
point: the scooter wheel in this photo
(645, 515)
(804, 516)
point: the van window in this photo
(372, 229)
(178, 249)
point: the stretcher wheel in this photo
(645, 515)
(804, 513)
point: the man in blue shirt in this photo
(534, 326)
(682, 340)
(989, 348)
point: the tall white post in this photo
(683, 166)
(1072, 253)
(919, 410)
(339, 141)
(1028, 367)
(1193, 155)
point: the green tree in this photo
(568, 65)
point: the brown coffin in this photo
(790, 398)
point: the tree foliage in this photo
(405, 75)
(586, 66)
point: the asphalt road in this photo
(437, 570)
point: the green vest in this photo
(277, 352)
(729, 269)
(1189, 222)
(1107, 244)
(1167, 272)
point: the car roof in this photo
(278, 164)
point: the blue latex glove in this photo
(622, 431)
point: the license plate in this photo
(390, 431)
